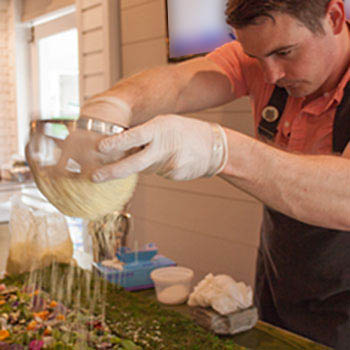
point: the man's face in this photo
(290, 55)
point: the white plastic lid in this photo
(171, 274)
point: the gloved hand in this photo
(175, 147)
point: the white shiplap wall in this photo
(99, 45)
(205, 224)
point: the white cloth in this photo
(222, 293)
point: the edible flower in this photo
(36, 292)
(4, 334)
(48, 331)
(53, 304)
(36, 345)
(31, 325)
(60, 317)
(43, 315)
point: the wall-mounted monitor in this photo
(347, 8)
(196, 27)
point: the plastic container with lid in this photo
(172, 284)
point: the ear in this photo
(335, 14)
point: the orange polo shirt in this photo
(303, 129)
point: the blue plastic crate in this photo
(137, 268)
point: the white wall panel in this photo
(235, 221)
(213, 187)
(99, 45)
(89, 3)
(93, 41)
(92, 19)
(35, 8)
(94, 84)
(203, 254)
(93, 63)
(131, 3)
(143, 55)
(144, 22)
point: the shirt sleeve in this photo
(239, 68)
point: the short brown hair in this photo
(240, 13)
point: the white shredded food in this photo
(78, 197)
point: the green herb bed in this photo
(130, 316)
(139, 318)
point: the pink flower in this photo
(36, 345)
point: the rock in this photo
(236, 322)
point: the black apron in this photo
(303, 271)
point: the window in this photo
(59, 75)
(55, 69)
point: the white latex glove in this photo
(175, 147)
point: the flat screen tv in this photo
(196, 27)
(347, 8)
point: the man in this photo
(301, 173)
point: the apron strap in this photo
(272, 113)
(271, 116)
(341, 126)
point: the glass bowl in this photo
(62, 156)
